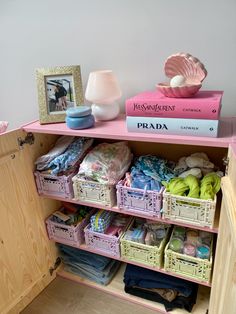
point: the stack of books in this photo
(152, 112)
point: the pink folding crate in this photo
(102, 242)
(137, 200)
(50, 185)
(70, 235)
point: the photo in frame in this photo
(59, 88)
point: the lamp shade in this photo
(102, 87)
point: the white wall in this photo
(131, 37)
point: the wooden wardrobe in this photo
(28, 260)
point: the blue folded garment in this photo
(71, 156)
(139, 180)
(98, 278)
(87, 258)
(146, 278)
(97, 268)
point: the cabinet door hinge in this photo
(56, 265)
(226, 164)
(29, 139)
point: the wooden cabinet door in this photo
(223, 292)
(26, 254)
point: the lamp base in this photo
(105, 112)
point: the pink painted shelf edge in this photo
(138, 214)
(116, 129)
(161, 270)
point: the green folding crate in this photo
(141, 253)
(188, 266)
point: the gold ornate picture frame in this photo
(59, 88)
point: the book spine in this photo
(190, 127)
(204, 110)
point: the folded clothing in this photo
(155, 167)
(97, 268)
(60, 146)
(101, 220)
(102, 279)
(145, 283)
(198, 161)
(58, 160)
(139, 180)
(190, 186)
(106, 163)
(148, 172)
(181, 302)
(146, 278)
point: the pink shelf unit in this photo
(117, 130)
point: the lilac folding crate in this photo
(50, 185)
(102, 242)
(138, 200)
(70, 235)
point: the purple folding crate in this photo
(70, 235)
(138, 200)
(102, 242)
(50, 185)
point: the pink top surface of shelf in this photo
(117, 130)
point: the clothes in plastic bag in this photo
(106, 163)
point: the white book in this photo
(191, 127)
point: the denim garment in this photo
(146, 278)
(97, 268)
(100, 279)
(87, 258)
(181, 302)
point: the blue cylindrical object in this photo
(81, 122)
(79, 118)
(79, 111)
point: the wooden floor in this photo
(66, 297)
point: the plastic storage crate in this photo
(50, 185)
(102, 242)
(189, 210)
(188, 266)
(142, 253)
(70, 235)
(94, 192)
(138, 200)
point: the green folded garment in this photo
(210, 185)
(188, 186)
(191, 187)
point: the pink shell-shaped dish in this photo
(188, 66)
(178, 92)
